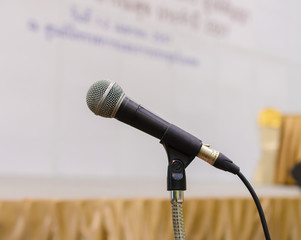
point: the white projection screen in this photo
(208, 66)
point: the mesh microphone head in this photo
(104, 98)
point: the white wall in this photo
(207, 66)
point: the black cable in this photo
(258, 205)
(224, 163)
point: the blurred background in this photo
(223, 70)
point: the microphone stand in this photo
(176, 184)
(177, 198)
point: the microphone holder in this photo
(176, 183)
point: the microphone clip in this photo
(177, 162)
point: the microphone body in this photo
(138, 117)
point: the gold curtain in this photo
(147, 219)
(289, 150)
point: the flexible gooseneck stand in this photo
(177, 198)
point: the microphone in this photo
(107, 99)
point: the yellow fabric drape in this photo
(290, 149)
(148, 219)
(269, 131)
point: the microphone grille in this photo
(104, 98)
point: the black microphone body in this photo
(170, 135)
(137, 116)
